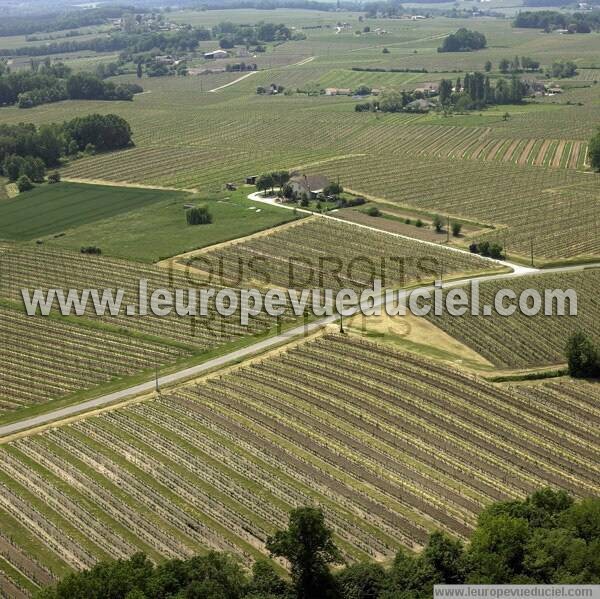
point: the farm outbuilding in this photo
(216, 54)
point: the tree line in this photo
(182, 40)
(476, 91)
(549, 20)
(548, 538)
(58, 21)
(583, 356)
(49, 82)
(27, 150)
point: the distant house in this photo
(166, 59)
(251, 180)
(216, 54)
(337, 91)
(308, 185)
(422, 105)
(555, 89)
(428, 88)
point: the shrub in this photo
(418, 223)
(91, 249)
(198, 216)
(484, 248)
(474, 248)
(496, 251)
(373, 211)
(583, 356)
(456, 229)
(438, 223)
(54, 177)
(24, 183)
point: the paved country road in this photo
(251, 350)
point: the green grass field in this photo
(159, 230)
(52, 209)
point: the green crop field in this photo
(389, 445)
(51, 209)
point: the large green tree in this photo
(594, 151)
(307, 544)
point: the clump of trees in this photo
(464, 40)
(583, 356)
(53, 82)
(476, 91)
(517, 65)
(26, 150)
(594, 151)
(562, 70)
(91, 249)
(548, 20)
(271, 180)
(199, 215)
(487, 249)
(24, 184)
(548, 538)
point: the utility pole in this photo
(341, 324)
(448, 230)
(156, 379)
(532, 252)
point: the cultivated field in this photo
(521, 341)
(53, 358)
(225, 136)
(390, 445)
(326, 253)
(45, 359)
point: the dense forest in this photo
(547, 538)
(49, 82)
(59, 21)
(28, 150)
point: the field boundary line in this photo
(216, 89)
(124, 184)
(167, 262)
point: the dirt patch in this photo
(508, 157)
(419, 332)
(558, 154)
(526, 151)
(539, 160)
